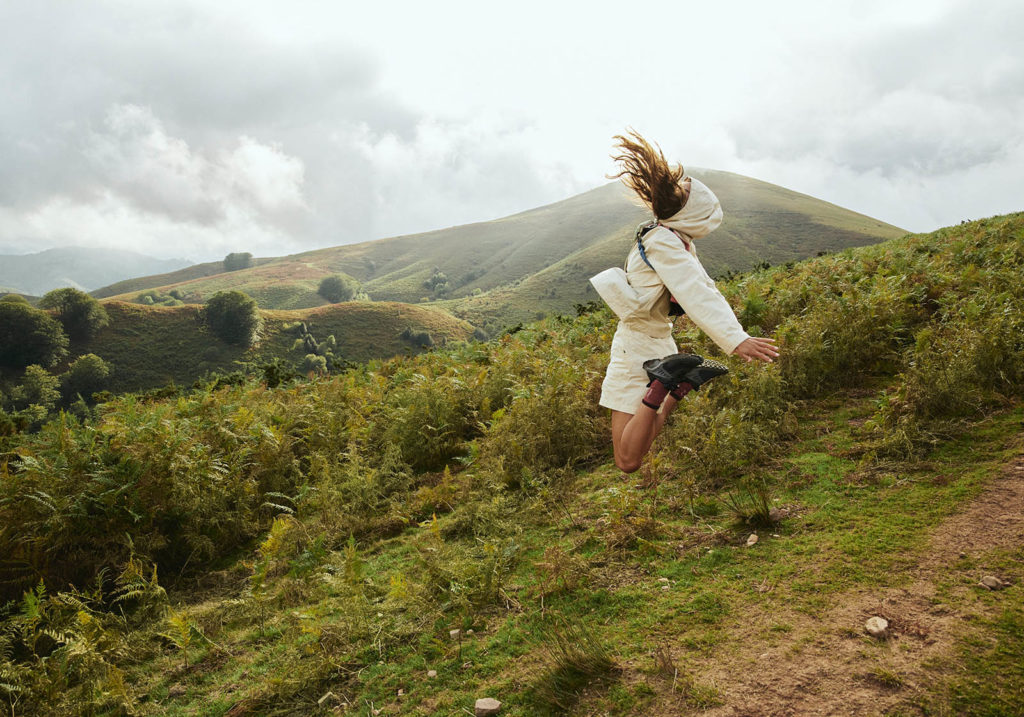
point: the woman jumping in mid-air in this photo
(646, 377)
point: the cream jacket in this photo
(677, 272)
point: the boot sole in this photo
(656, 372)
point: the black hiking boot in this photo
(671, 369)
(704, 373)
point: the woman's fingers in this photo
(760, 348)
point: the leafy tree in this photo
(234, 317)
(14, 298)
(80, 314)
(29, 336)
(237, 260)
(86, 376)
(438, 282)
(38, 387)
(338, 287)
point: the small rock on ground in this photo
(752, 539)
(877, 627)
(992, 582)
(454, 634)
(487, 706)
(431, 673)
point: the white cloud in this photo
(180, 126)
(155, 193)
(450, 173)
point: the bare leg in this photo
(633, 434)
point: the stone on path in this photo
(431, 673)
(455, 634)
(877, 627)
(752, 539)
(487, 706)
(992, 583)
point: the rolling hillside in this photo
(151, 346)
(535, 262)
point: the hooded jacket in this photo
(678, 273)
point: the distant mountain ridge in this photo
(80, 267)
(518, 267)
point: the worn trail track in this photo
(828, 666)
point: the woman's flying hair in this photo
(645, 171)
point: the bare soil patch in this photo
(827, 665)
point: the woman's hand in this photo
(757, 348)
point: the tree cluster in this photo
(80, 314)
(338, 287)
(237, 260)
(234, 317)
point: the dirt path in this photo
(829, 666)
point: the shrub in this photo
(14, 298)
(428, 419)
(38, 387)
(338, 287)
(438, 282)
(86, 376)
(312, 363)
(80, 314)
(420, 338)
(234, 317)
(29, 336)
(550, 423)
(237, 260)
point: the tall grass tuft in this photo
(574, 659)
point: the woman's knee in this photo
(628, 465)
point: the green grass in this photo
(709, 598)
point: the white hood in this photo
(701, 214)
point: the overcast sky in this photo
(192, 129)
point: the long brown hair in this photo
(646, 172)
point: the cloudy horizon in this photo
(181, 130)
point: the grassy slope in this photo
(150, 346)
(170, 279)
(690, 590)
(538, 261)
(688, 614)
(656, 568)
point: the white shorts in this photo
(625, 381)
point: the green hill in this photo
(425, 531)
(151, 346)
(538, 261)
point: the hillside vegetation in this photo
(151, 346)
(309, 549)
(513, 269)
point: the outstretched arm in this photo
(694, 290)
